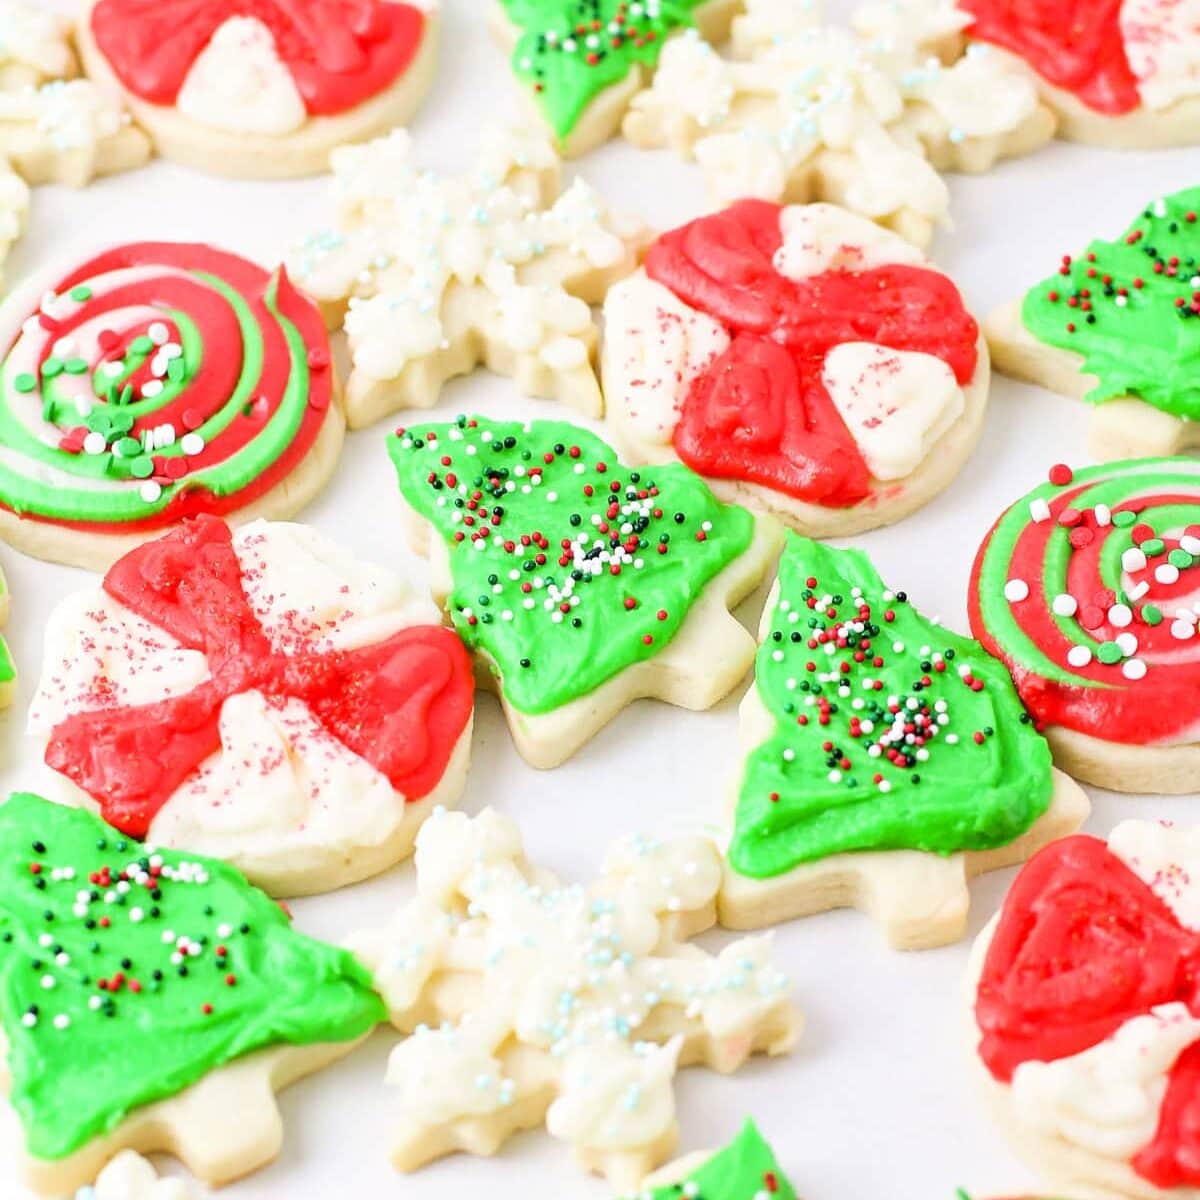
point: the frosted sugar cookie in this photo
(1086, 588)
(530, 1002)
(1118, 326)
(887, 761)
(261, 696)
(433, 276)
(262, 88)
(580, 583)
(1117, 72)
(152, 1000)
(1082, 1026)
(804, 361)
(155, 381)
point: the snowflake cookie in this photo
(804, 361)
(1083, 1030)
(886, 761)
(866, 119)
(261, 696)
(262, 88)
(582, 584)
(1118, 325)
(153, 1000)
(432, 276)
(527, 1001)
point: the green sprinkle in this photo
(1124, 518)
(1153, 546)
(25, 382)
(1109, 653)
(1151, 614)
(80, 292)
(141, 345)
(1180, 558)
(52, 367)
(176, 370)
(142, 467)
(98, 421)
(128, 447)
(75, 366)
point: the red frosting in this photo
(761, 412)
(1074, 44)
(1082, 946)
(400, 704)
(339, 52)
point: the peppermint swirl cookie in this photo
(261, 696)
(153, 382)
(262, 88)
(1083, 1028)
(1117, 72)
(804, 361)
(1087, 589)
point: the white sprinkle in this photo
(1166, 573)
(1064, 605)
(150, 491)
(1182, 630)
(1127, 643)
(1134, 668)
(62, 1021)
(1016, 590)
(1190, 543)
(95, 443)
(1120, 615)
(191, 443)
(158, 333)
(1134, 559)
(1039, 510)
(1103, 514)
(1079, 656)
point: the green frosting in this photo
(1131, 308)
(569, 51)
(567, 566)
(8, 669)
(110, 955)
(849, 671)
(746, 1168)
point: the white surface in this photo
(875, 1104)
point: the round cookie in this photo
(1117, 326)
(260, 696)
(262, 89)
(1082, 1028)
(1122, 73)
(152, 382)
(580, 583)
(804, 361)
(1086, 588)
(886, 761)
(153, 1000)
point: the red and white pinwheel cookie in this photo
(1117, 72)
(260, 696)
(1083, 1021)
(262, 88)
(805, 361)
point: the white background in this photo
(876, 1103)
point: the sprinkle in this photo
(1016, 590)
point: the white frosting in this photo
(654, 345)
(279, 781)
(239, 83)
(35, 41)
(516, 983)
(827, 110)
(1166, 858)
(1162, 44)
(826, 237)
(131, 1177)
(427, 262)
(895, 403)
(1106, 1099)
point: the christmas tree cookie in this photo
(743, 1170)
(1122, 73)
(1087, 589)
(582, 61)
(154, 1000)
(1118, 326)
(262, 696)
(1083, 1030)
(887, 761)
(804, 361)
(582, 583)
(529, 1001)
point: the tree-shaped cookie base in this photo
(529, 1001)
(154, 1001)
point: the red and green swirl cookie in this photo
(1087, 588)
(156, 381)
(128, 974)
(1131, 308)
